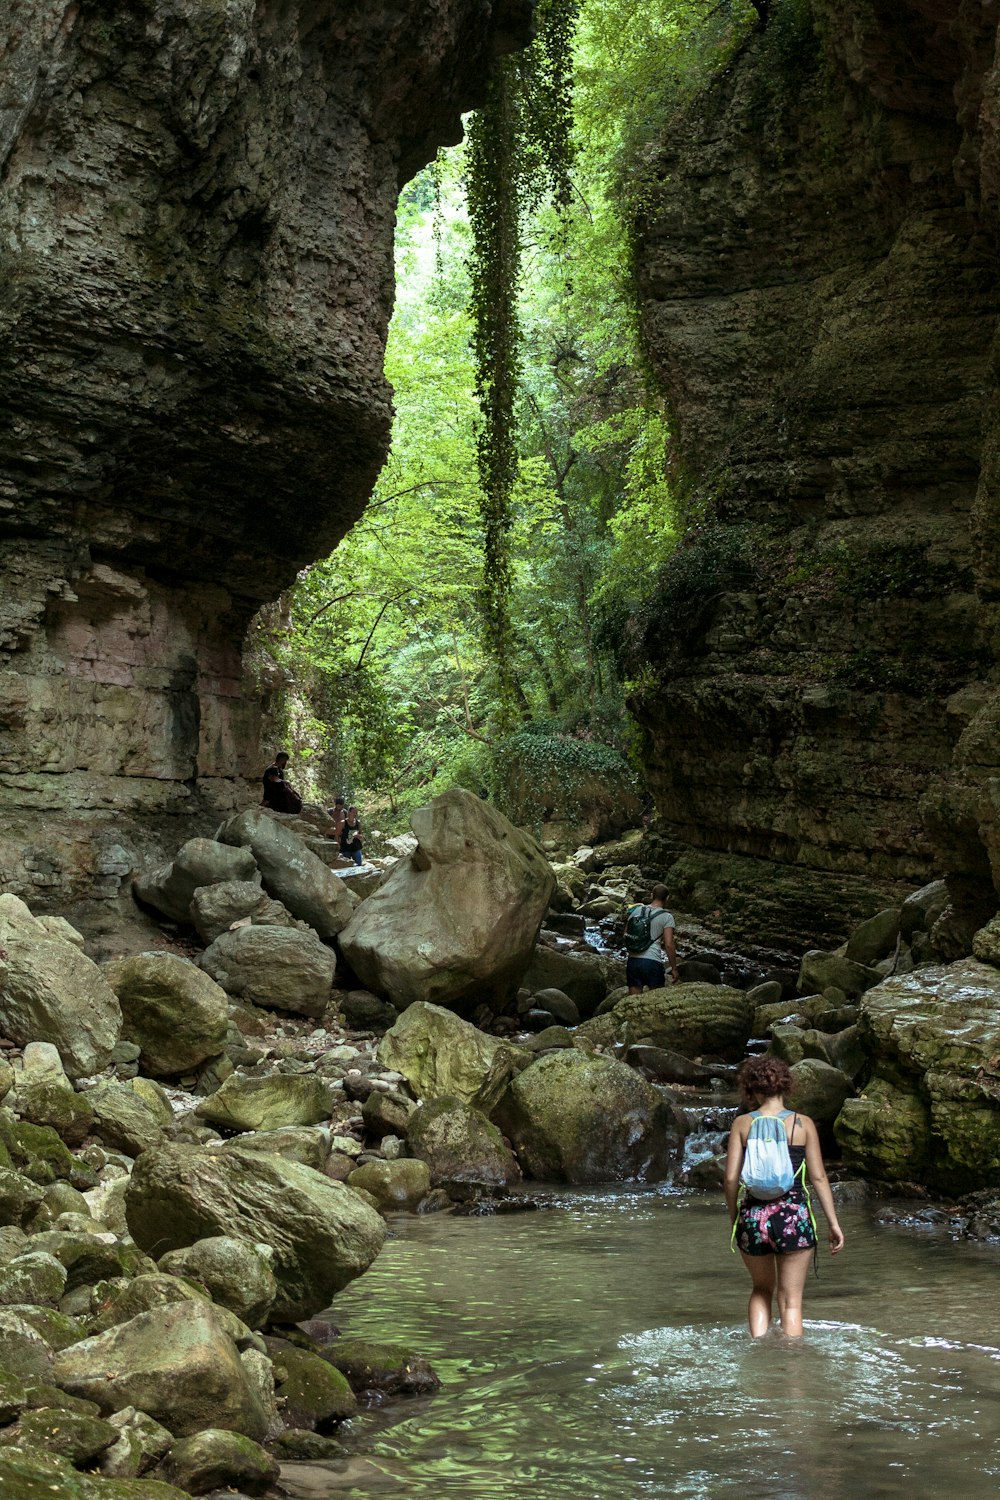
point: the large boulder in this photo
(934, 1037)
(819, 1089)
(587, 1119)
(291, 872)
(217, 908)
(460, 1146)
(43, 1095)
(455, 922)
(198, 862)
(266, 1103)
(216, 1460)
(235, 1272)
(49, 991)
(694, 1019)
(122, 1118)
(819, 971)
(322, 1234)
(394, 1185)
(174, 1363)
(441, 1055)
(281, 967)
(175, 1014)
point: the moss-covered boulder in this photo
(122, 1119)
(236, 1272)
(215, 1460)
(23, 1351)
(820, 970)
(886, 1133)
(314, 1394)
(174, 1363)
(936, 1034)
(386, 1112)
(266, 1103)
(33, 1476)
(442, 1056)
(694, 1019)
(64, 1434)
(176, 1014)
(388, 1369)
(307, 1144)
(584, 977)
(19, 1198)
(34, 1277)
(44, 1095)
(321, 1233)
(581, 1119)
(396, 1186)
(460, 1145)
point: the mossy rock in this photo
(13, 1395)
(59, 1330)
(65, 1434)
(819, 1090)
(215, 1459)
(886, 1132)
(460, 1145)
(394, 1185)
(391, 1369)
(44, 1100)
(39, 1153)
(87, 1258)
(694, 1019)
(314, 1394)
(35, 1277)
(32, 1476)
(19, 1198)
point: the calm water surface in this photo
(597, 1349)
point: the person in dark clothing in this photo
(350, 836)
(278, 795)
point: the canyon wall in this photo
(819, 282)
(196, 221)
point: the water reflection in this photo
(598, 1349)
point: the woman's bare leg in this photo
(792, 1269)
(761, 1268)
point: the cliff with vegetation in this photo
(196, 252)
(818, 276)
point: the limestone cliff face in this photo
(820, 294)
(196, 220)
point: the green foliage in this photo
(532, 776)
(882, 570)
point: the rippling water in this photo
(598, 1349)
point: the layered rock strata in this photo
(195, 280)
(818, 275)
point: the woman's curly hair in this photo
(763, 1078)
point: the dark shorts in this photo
(775, 1228)
(645, 971)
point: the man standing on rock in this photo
(649, 943)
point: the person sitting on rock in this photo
(649, 943)
(350, 836)
(278, 795)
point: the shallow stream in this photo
(597, 1349)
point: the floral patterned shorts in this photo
(775, 1228)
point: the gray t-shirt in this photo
(659, 922)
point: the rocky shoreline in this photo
(200, 1146)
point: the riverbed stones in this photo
(440, 1056)
(266, 1103)
(278, 967)
(315, 1395)
(460, 1146)
(322, 1234)
(236, 1272)
(199, 862)
(122, 1119)
(175, 1013)
(455, 922)
(291, 872)
(174, 1363)
(584, 1119)
(50, 991)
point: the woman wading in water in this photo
(777, 1238)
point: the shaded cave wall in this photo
(819, 289)
(196, 219)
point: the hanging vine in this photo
(519, 151)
